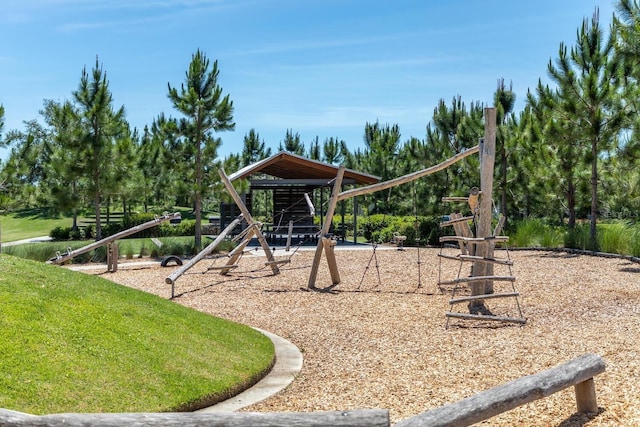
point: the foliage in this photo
(381, 228)
(78, 343)
(535, 232)
(205, 112)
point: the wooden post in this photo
(171, 280)
(235, 254)
(586, 396)
(247, 216)
(289, 234)
(112, 256)
(337, 185)
(487, 161)
(329, 244)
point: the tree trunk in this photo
(571, 203)
(594, 195)
(198, 198)
(96, 209)
(74, 227)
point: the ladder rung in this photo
(484, 259)
(473, 258)
(474, 240)
(472, 279)
(483, 317)
(456, 221)
(483, 297)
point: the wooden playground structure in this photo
(476, 247)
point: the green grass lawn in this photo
(77, 343)
(29, 223)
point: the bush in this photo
(381, 228)
(60, 233)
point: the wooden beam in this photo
(474, 279)
(489, 403)
(488, 296)
(457, 221)
(475, 240)
(486, 317)
(407, 178)
(329, 244)
(485, 205)
(171, 280)
(333, 201)
(349, 418)
(472, 258)
(247, 217)
(236, 253)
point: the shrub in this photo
(615, 237)
(60, 233)
(380, 228)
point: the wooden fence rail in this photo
(578, 372)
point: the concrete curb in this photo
(288, 365)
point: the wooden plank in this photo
(457, 220)
(473, 258)
(489, 403)
(407, 178)
(487, 296)
(475, 240)
(485, 317)
(473, 279)
(484, 259)
(352, 418)
(455, 199)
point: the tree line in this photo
(570, 154)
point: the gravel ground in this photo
(378, 339)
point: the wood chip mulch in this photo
(378, 340)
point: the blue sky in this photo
(320, 68)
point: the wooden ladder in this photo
(467, 243)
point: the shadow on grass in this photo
(36, 213)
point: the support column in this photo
(487, 161)
(337, 186)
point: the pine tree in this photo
(206, 111)
(101, 126)
(589, 98)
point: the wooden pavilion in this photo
(294, 190)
